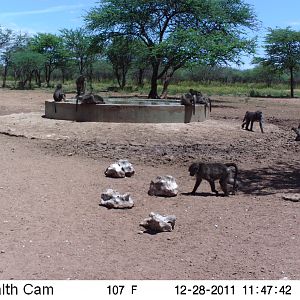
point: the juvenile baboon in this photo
(58, 94)
(297, 131)
(251, 117)
(212, 172)
(80, 85)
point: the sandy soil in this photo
(52, 175)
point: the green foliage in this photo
(52, 48)
(5, 37)
(80, 48)
(282, 47)
(9, 43)
(177, 32)
(25, 63)
(120, 53)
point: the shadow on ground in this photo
(271, 180)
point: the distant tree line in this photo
(154, 41)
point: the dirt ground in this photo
(52, 175)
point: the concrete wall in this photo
(125, 113)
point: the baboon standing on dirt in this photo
(251, 117)
(212, 172)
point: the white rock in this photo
(120, 169)
(291, 197)
(159, 223)
(127, 167)
(163, 186)
(115, 171)
(113, 199)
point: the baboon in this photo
(252, 117)
(297, 131)
(80, 85)
(58, 94)
(236, 184)
(212, 172)
(195, 93)
(200, 99)
(187, 99)
(91, 99)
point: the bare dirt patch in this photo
(53, 174)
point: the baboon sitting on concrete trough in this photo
(200, 99)
(187, 99)
(91, 99)
(58, 94)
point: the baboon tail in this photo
(235, 174)
(245, 117)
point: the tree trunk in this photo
(123, 81)
(47, 75)
(167, 81)
(153, 92)
(140, 81)
(292, 82)
(118, 77)
(4, 76)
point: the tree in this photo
(177, 32)
(25, 64)
(79, 44)
(282, 47)
(9, 43)
(120, 54)
(51, 47)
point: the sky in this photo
(48, 16)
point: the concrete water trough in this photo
(130, 110)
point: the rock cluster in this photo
(165, 186)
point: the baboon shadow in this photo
(202, 194)
(152, 232)
(222, 106)
(271, 180)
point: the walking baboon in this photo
(297, 131)
(251, 117)
(80, 85)
(212, 172)
(58, 94)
